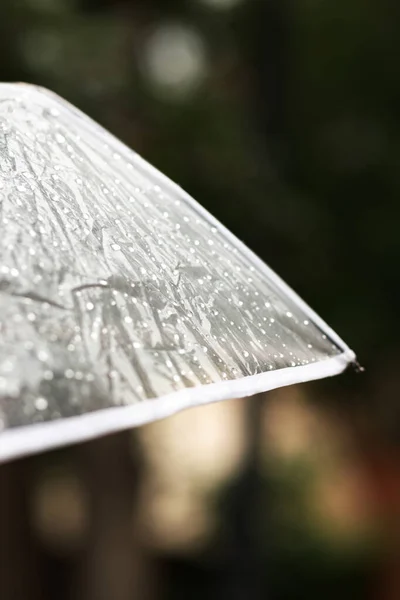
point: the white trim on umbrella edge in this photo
(32, 439)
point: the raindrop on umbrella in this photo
(122, 300)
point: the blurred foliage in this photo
(291, 137)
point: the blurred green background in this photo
(281, 117)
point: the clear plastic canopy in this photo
(121, 299)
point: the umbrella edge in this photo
(40, 437)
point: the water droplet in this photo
(41, 403)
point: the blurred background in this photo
(281, 117)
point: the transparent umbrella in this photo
(122, 300)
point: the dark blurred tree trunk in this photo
(113, 566)
(246, 578)
(264, 36)
(19, 566)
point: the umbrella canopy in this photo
(121, 299)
